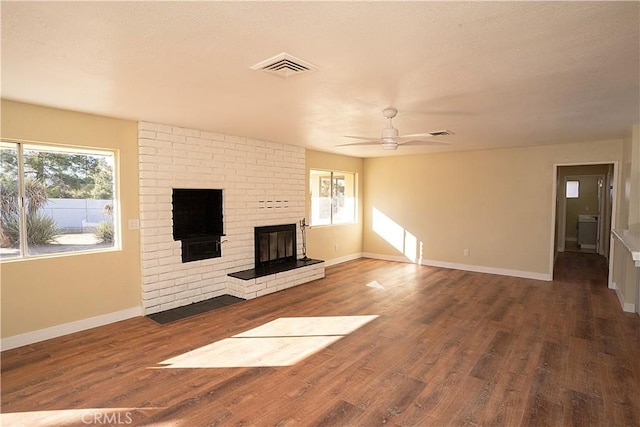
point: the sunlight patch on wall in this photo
(410, 246)
(281, 342)
(388, 229)
(394, 234)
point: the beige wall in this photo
(630, 203)
(46, 292)
(496, 203)
(336, 242)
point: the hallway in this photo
(579, 267)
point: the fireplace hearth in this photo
(275, 252)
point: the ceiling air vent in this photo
(285, 66)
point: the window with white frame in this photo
(56, 200)
(333, 197)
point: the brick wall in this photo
(263, 183)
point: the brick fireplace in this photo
(263, 184)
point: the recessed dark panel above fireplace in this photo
(197, 222)
(197, 212)
(275, 244)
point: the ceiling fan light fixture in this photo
(389, 145)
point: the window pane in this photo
(9, 209)
(69, 200)
(343, 198)
(320, 189)
(333, 197)
(324, 201)
(573, 189)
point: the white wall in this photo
(263, 182)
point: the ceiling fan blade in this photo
(366, 138)
(419, 142)
(378, 142)
(415, 135)
(443, 132)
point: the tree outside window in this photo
(68, 200)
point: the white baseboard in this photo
(465, 267)
(68, 328)
(626, 307)
(342, 259)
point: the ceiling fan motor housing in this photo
(389, 133)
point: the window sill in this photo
(58, 255)
(333, 225)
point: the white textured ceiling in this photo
(497, 74)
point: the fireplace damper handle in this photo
(219, 245)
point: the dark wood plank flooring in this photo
(447, 348)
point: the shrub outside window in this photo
(333, 197)
(56, 200)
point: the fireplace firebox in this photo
(275, 244)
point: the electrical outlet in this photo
(134, 224)
(466, 252)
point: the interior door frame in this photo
(553, 241)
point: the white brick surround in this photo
(263, 183)
(276, 282)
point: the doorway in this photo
(583, 214)
(584, 207)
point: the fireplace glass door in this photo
(275, 244)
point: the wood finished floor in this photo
(447, 348)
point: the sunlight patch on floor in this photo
(281, 342)
(376, 285)
(68, 417)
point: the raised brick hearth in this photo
(263, 184)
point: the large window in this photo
(333, 197)
(55, 200)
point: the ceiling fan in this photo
(391, 139)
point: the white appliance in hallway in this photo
(588, 231)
